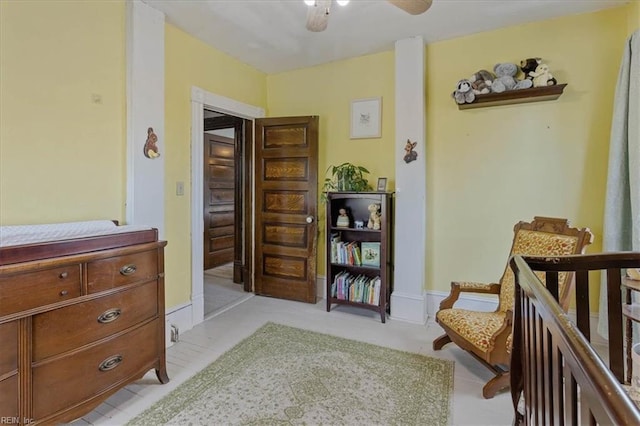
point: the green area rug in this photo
(283, 375)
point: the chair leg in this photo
(439, 342)
(501, 381)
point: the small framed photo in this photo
(382, 184)
(365, 118)
(370, 253)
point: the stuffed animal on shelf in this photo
(343, 219)
(481, 82)
(506, 78)
(542, 77)
(528, 65)
(463, 93)
(374, 216)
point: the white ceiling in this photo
(270, 35)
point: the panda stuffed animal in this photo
(464, 92)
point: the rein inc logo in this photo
(6, 420)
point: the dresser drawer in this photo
(121, 270)
(73, 326)
(33, 289)
(9, 398)
(8, 347)
(67, 381)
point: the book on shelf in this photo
(347, 253)
(370, 253)
(356, 288)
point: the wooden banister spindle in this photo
(614, 305)
(582, 302)
(552, 283)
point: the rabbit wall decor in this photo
(410, 155)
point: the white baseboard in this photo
(321, 287)
(197, 309)
(180, 316)
(409, 307)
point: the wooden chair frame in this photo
(498, 354)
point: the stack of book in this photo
(345, 253)
(360, 288)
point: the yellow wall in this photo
(486, 168)
(189, 62)
(327, 91)
(634, 16)
(489, 168)
(62, 156)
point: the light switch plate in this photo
(179, 188)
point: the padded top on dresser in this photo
(23, 243)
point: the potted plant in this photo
(345, 177)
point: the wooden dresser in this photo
(79, 319)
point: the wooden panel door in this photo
(219, 200)
(286, 207)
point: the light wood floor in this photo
(220, 292)
(205, 342)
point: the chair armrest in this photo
(473, 287)
(458, 287)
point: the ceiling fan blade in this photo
(413, 7)
(318, 15)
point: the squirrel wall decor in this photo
(150, 147)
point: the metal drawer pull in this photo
(109, 315)
(64, 293)
(64, 275)
(127, 270)
(110, 363)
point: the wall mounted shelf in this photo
(535, 94)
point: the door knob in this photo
(309, 219)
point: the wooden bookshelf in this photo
(535, 94)
(356, 204)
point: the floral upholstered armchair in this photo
(487, 335)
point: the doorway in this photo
(202, 101)
(284, 143)
(223, 200)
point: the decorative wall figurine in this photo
(150, 147)
(410, 155)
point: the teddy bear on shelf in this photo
(542, 77)
(464, 92)
(374, 216)
(528, 65)
(506, 78)
(481, 82)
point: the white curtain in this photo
(622, 208)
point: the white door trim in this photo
(201, 99)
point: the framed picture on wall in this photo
(366, 118)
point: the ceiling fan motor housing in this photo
(318, 11)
